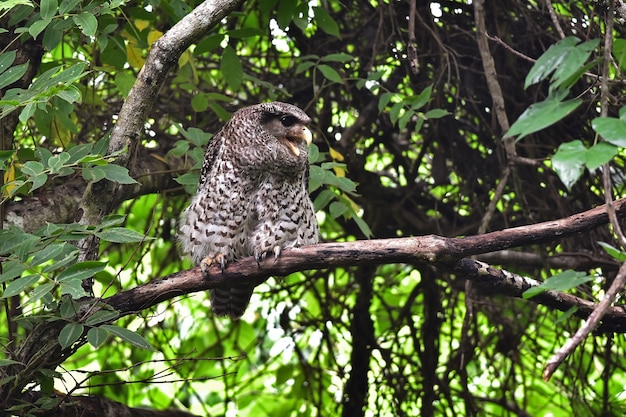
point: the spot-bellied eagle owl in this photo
(252, 196)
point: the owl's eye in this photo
(288, 120)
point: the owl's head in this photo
(273, 131)
(288, 124)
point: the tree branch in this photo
(431, 249)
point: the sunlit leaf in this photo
(569, 161)
(48, 8)
(120, 235)
(543, 114)
(330, 73)
(599, 154)
(20, 285)
(87, 23)
(128, 336)
(613, 130)
(70, 334)
(81, 271)
(564, 281)
(97, 336)
(325, 21)
(117, 173)
(102, 316)
(615, 253)
(12, 74)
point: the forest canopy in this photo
(467, 172)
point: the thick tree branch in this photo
(432, 249)
(58, 202)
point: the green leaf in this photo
(564, 281)
(323, 199)
(97, 336)
(325, 21)
(619, 52)
(87, 23)
(394, 113)
(70, 334)
(12, 269)
(599, 154)
(112, 220)
(93, 174)
(303, 66)
(543, 114)
(121, 235)
(69, 307)
(383, 100)
(40, 291)
(37, 27)
(78, 152)
(47, 253)
(20, 285)
(417, 102)
(563, 317)
(71, 94)
(48, 9)
(199, 103)
(117, 173)
(127, 335)
(73, 288)
(338, 57)
(615, 253)
(550, 60)
(53, 34)
(12, 74)
(285, 12)
(573, 61)
(436, 113)
(7, 362)
(56, 162)
(569, 161)
(231, 68)
(6, 60)
(81, 271)
(363, 226)
(337, 208)
(67, 5)
(329, 73)
(102, 316)
(32, 168)
(611, 129)
(38, 181)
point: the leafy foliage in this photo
(398, 152)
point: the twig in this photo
(555, 20)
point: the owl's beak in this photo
(304, 135)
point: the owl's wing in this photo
(213, 151)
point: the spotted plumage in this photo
(252, 197)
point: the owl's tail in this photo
(230, 301)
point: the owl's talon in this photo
(206, 263)
(276, 252)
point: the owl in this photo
(252, 197)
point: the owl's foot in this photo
(206, 263)
(259, 256)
